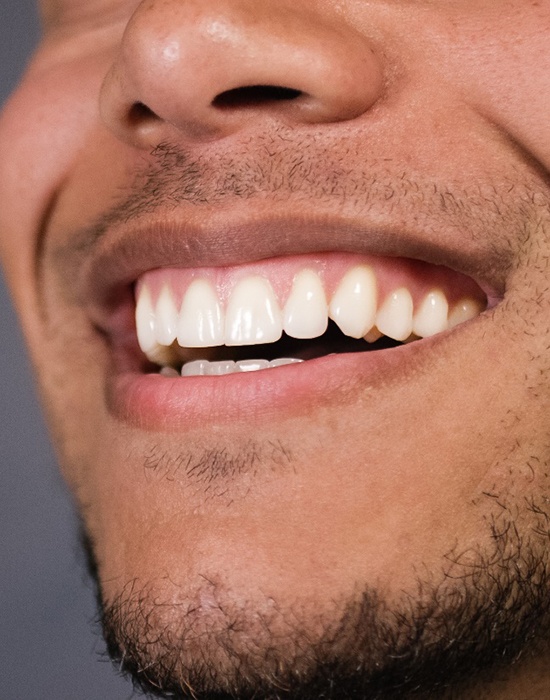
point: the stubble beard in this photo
(485, 612)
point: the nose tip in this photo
(206, 68)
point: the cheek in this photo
(507, 80)
(42, 128)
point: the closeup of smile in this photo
(204, 321)
(261, 316)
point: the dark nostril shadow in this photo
(139, 113)
(254, 95)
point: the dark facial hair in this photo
(441, 641)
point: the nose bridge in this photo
(206, 67)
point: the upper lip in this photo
(116, 258)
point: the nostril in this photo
(140, 113)
(254, 95)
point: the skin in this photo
(401, 483)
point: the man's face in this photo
(375, 517)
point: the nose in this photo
(206, 68)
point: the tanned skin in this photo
(359, 525)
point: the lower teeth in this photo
(200, 368)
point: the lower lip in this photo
(166, 404)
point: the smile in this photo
(233, 324)
(260, 316)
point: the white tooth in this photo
(431, 317)
(306, 313)
(252, 315)
(145, 320)
(252, 365)
(195, 368)
(353, 306)
(200, 322)
(280, 361)
(166, 318)
(394, 317)
(464, 310)
(221, 367)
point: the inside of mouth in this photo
(331, 342)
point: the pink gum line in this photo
(391, 273)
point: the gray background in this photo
(49, 646)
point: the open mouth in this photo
(219, 321)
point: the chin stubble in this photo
(486, 611)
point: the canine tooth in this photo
(252, 315)
(394, 317)
(305, 313)
(353, 306)
(252, 365)
(431, 317)
(145, 320)
(200, 322)
(166, 318)
(464, 310)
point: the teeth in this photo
(253, 315)
(219, 368)
(373, 335)
(280, 361)
(195, 368)
(306, 314)
(166, 318)
(395, 317)
(200, 320)
(145, 321)
(464, 310)
(204, 368)
(353, 306)
(169, 372)
(252, 365)
(431, 317)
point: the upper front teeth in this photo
(250, 312)
(201, 322)
(305, 313)
(252, 315)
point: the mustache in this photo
(332, 175)
(484, 224)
